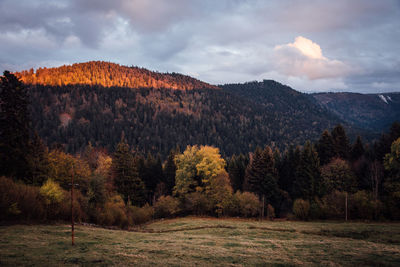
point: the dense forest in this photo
(331, 178)
(235, 117)
(372, 112)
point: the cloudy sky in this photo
(314, 45)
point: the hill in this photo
(109, 75)
(236, 117)
(374, 112)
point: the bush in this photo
(114, 213)
(20, 201)
(166, 206)
(141, 215)
(246, 204)
(198, 203)
(363, 206)
(301, 209)
(333, 205)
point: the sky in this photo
(312, 46)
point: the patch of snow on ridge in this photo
(383, 98)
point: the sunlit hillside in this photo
(110, 74)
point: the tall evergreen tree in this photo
(307, 183)
(39, 163)
(288, 167)
(237, 169)
(357, 150)
(341, 142)
(326, 150)
(261, 175)
(15, 149)
(170, 172)
(126, 177)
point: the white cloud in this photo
(304, 58)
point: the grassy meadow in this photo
(203, 242)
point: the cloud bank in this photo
(310, 45)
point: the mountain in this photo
(234, 117)
(110, 75)
(373, 112)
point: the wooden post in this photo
(346, 206)
(72, 205)
(263, 207)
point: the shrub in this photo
(20, 201)
(114, 213)
(301, 209)
(166, 206)
(333, 205)
(247, 204)
(141, 215)
(198, 203)
(363, 206)
(52, 192)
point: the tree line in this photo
(128, 187)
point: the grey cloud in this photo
(218, 41)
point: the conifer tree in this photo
(357, 150)
(39, 163)
(326, 150)
(170, 172)
(341, 142)
(15, 149)
(126, 177)
(261, 175)
(236, 169)
(307, 183)
(288, 167)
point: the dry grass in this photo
(205, 242)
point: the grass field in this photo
(205, 242)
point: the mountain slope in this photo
(374, 112)
(235, 118)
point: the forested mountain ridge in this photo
(374, 112)
(73, 113)
(108, 74)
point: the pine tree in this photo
(357, 150)
(170, 172)
(288, 167)
(39, 163)
(15, 149)
(307, 183)
(341, 142)
(236, 169)
(126, 177)
(325, 147)
(261, 175)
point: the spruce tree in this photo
(170, 172)
(357, 150)
(15, 149)
(326, 150)
(307, 183)
(261, 175)
(236, 169)
(341, 142)
(126, 178)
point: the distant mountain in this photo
(234, 117)
(110, 75)
(374, 112)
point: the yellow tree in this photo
(62, 166)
